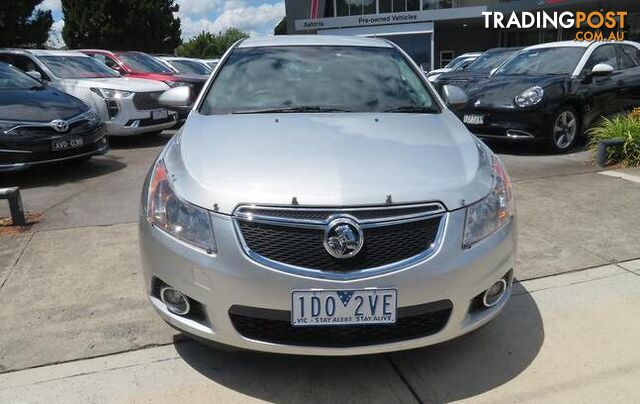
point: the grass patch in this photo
(626, 127)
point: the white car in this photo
(458, 63)
(128, 106)
(186, 65)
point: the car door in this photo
(601, 93)
(629, 82)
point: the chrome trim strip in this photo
(101, 150)
(342, 276)
(15, 151)
(239, 212)
(80, 117)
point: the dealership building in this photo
(435, 31)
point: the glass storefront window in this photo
(413, 5)
(418, 46)
(369, 6)
(355, 7)
(342, 8)
(385, 6)
(436, 4)
(399, 5)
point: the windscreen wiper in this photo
(412, 108)
(291, 109)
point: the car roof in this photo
(45, 52)
(313, 40)
(96, 51)
(470, 54)
(579, 44)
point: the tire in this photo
(564, 131)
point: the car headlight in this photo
(492, 212)
(111, 94)
(166, 211)
(529, 97)
(433, 77)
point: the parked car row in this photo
(550, 92)
(119, 90)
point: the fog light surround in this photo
(176, 301)
(492, 296)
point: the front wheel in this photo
(565, 130)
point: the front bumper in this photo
(128, 120)
(510, 124)
(229, 279)
(21, 153)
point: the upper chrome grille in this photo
(324, 215)
(291, 238)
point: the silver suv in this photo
(322, 199)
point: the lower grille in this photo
(274, 326)
(147, 101)
(303, 247)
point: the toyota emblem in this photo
(60, 125)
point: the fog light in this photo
(492, 295)
(176, 301)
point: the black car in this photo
(477, 70)
(39, 124)
(553, 92)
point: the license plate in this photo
(159, 114)
(473, 119)
(343, 307)
(65, 144)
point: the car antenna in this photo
(294, 201)
(389, 201)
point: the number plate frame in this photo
(67, 143)
(344, 313)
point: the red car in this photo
(142, 65)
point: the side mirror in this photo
(601, 69)
(455, 97)
(35, 74)
(177, 97)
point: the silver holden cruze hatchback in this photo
(322, 199)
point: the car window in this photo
(556, 60)
(603, 54)
(104, 59)
(629, 57)
(142, 62)
(358, 79)
(489, 60)
(189, 67)
(23, 63)
(12, 78)
(77, 67)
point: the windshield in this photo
(189, 67)
(77, 67)
(141, 62)
(457, 62)
(318, 78)
(489, 60)
(562, 60)
(12, 78)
